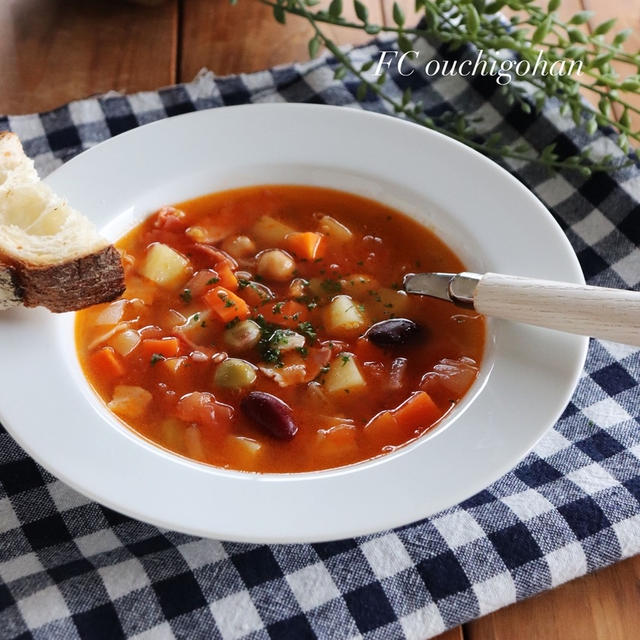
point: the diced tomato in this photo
(107, 362)
(167, 347)
(170, 219)
(202, 408)
(307, 245)
(286, 314)
(417, 412)
(226, 304)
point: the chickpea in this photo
(274, 264)
(239, 246)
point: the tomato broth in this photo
(265, 329)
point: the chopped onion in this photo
(112, 314)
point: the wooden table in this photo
(54, 51)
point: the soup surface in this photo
(264, 329)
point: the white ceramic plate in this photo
(489, 218)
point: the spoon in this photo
(599, 312)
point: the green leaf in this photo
(554, 5)
(314, 46)
(406, 97)
(541, 31)
(591, 126)
(604, 27)
(581, 17)
(575, 35)
(372, 29)
(340, 72)
(621, 37)
(398, 14)
(361, 91)
(335, 8)
(630, 84)
(361, 11)
(279, 14)
(367, 65)
(432, 18)
(625, 120)
(472, 20)
(494, 7)
(404, 43)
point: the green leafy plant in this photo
(532, 30)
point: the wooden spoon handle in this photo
(611, 314)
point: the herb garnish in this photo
(186, 296)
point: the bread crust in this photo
(73, 284)
(10, 292)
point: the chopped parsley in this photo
(243, 283)
(277, 308)
(186, 296)
(308, 331)
(303, 351)
(156, 357)
(213, 280)
(345, 358)
(331, 286)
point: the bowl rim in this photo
(312, 113)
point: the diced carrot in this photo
(419, 411)
(368, 352)
(226, 304)
(286, 314)
(308, 244)
(383, 429)
(106, 361)
(227, 278)
(167, 347)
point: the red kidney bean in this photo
(272, 414)
(396, 331)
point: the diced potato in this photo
(165, 266)
(270, 232)
(334, 229)
(344, 317)
(172, 434)
(359, 285)
(125, 341)
(344, 375)
(193, 443)
(387, 303)
(139, 289)
(245, 449)
(129, 401)
(173, 365)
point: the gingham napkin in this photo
(71, 568)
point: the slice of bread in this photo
(50, 255)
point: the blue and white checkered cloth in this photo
(70, 568)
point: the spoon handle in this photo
(611, 314)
